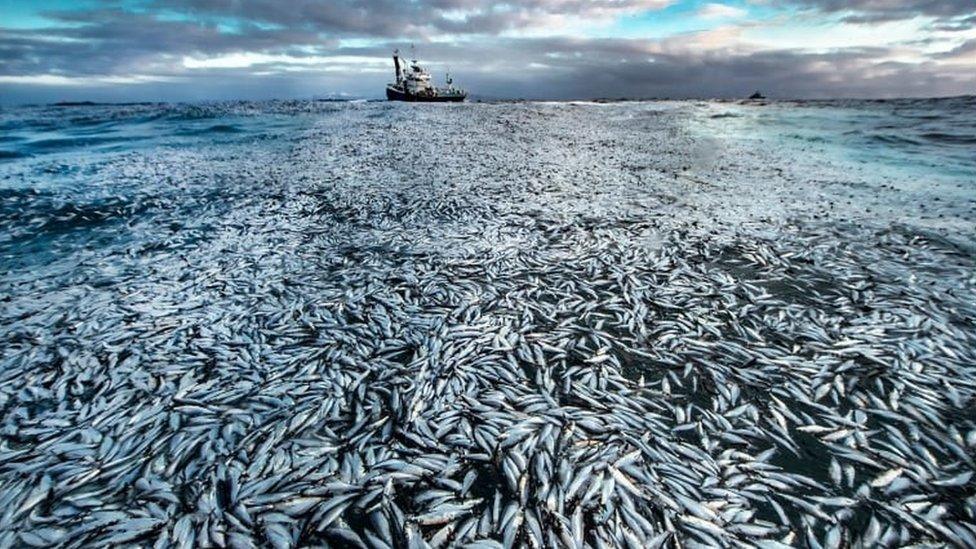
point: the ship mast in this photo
(396, 63)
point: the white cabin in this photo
(417, 80)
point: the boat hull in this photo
(394, 94)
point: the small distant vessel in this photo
(757, 96)
(414, 84)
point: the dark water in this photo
(47, 130)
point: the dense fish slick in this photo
(482, 325)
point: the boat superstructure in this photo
(413, 83)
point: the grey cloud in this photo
(625, 68)
(966, 50)
(421, 18)
(116, 42)
(396, 18)
(106, 42)
(960, 23)
(561, 68)
(960, 14)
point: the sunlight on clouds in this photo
(250, 59)
(62, 80)
(727, 38)
(595, 20)
(824, 37)
(720, 11)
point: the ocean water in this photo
(920, 137)
(385, 325)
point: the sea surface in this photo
(570, 324)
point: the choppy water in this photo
(529, 324)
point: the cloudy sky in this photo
(121, 50)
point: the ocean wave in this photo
(214, 129)
(9, 155)
(950, 138)
(43, 145)
(894, 139)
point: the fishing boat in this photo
(413, 83)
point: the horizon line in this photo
(489, 99)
